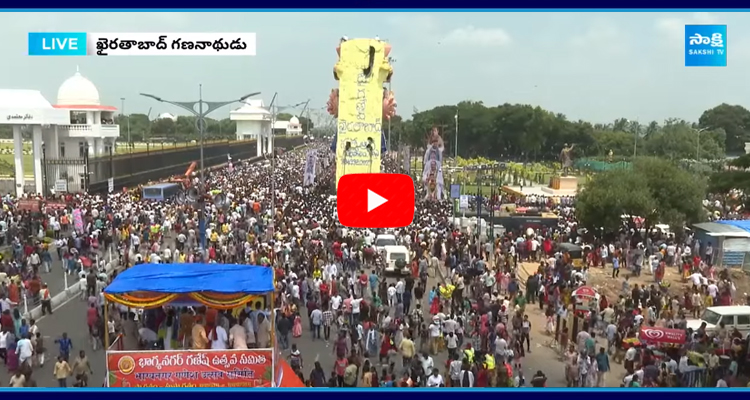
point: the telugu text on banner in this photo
(190, 368)
(362, 69)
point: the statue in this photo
(566, 159)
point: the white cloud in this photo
(674, 27)
(422, 24)
(481, 37)
(602, 36)
(598, 34)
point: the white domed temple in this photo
(66, 133)
(253, 122)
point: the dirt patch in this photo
(601, 279)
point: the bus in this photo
(161, 191)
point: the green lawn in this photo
(471, 187)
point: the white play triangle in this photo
(374, 200)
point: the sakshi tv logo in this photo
(705, 45)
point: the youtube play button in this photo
(375, 200)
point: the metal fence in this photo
(600, 166)
(141, 165)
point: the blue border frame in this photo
(384, 5)
(394, 393)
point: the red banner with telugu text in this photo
(190, 368)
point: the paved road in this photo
(56, 278)
(70, 318)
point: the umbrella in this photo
(86, 262)
(585, 291)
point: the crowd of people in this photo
(332, 284)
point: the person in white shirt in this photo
(435, 380)
(466, 377)
(501, 346)
(6, 304)
(25, 350)
(335, 303)
(238, 337)
(355, 310)
(697, 279)
(434, 330)
(427, 363)
(219, 338)
(400, 288)
(391, 293)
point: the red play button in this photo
(375, 200)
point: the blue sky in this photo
(592, 66)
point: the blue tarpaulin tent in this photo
(742, 224)
(190, 278)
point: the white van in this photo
(384, 240)
(731, 316)
(391, 254)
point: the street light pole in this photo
(698, 144)
(274, 113)
(272, 223)
(635, 136)
(122, 113)
(456, 146)
(204, 108)
(201, 132)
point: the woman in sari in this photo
(297, 327)
(12, 357)
(434, 300)
(17, 322)
(366, 380)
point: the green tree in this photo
(677, 193)
(679, 140)
(162, 127)
(654, 189)
(734, 181)
(734, 120)
(528, 133)
(610, 195)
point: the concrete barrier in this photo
(71, 292)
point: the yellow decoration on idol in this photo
(361, 70)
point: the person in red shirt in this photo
(547, 246)
(482, 378)
(6, 321)
(324, 290)
(386, 345)
(91, 317)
